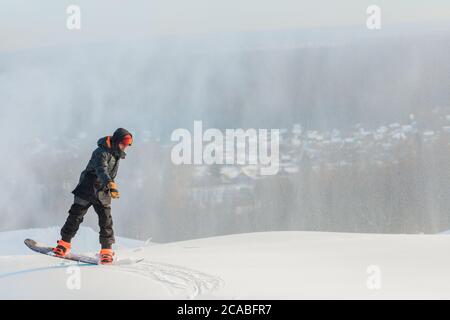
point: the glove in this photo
(112, 186)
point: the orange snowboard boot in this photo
(62, 249)
(106, 256)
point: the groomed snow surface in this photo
(269, 265)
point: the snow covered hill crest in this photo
(268, 265)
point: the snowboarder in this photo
(96, 187)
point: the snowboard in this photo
(80, 258)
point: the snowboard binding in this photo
(106, 256)
(62, 248)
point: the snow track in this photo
(191, 283)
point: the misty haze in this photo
(330, 99)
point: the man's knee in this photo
(77, 212)
(79, 206)
(81, 202)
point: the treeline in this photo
(409, 195)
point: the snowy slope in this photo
(291, 265)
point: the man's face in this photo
(122, 146)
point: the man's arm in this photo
(101, 167)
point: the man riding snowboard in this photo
(96, 187)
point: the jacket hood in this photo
(107, 144)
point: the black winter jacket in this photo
(101, 169)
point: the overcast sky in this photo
(30, 23)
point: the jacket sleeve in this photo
(101, 167)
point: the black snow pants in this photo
(76, 214)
